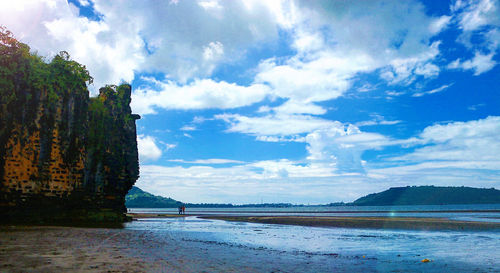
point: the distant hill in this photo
(422, 195)
(137, 198)
(430, 195)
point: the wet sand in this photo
(411, 223)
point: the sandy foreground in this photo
(71, 249)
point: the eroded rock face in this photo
(63, 155)
(111, 164)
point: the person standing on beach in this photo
(180, 210)
(183, 209)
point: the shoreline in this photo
(340, 212)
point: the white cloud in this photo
(275, 125)
(377, 120)
(296, 107)
(439, 24)
(480, 25)
(167, 146)
(330, 144)
(405, 70)
(329, 55)
(200, 119)
(475, 140)
(294, 138)
(188, 128)
(392, 93)
(308, 42)
(199, 94)
(214, 50)
(148, 150)
(475, 14)
(433, 91)
(475, 106)
(210, 5)
(326, 76)
(84, 3)
(187, 48)
(480, 63)
(208, 161)
(341, 147)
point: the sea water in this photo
(380, 250)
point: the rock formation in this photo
(63, 156)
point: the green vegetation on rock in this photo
(26, 84)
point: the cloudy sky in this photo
(291, 101)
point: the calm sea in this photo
(223, 246)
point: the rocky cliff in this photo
(63, 155)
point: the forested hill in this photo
(430, 195)
(137, 198)
(422, 195)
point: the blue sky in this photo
(291, 101)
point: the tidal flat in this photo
(405, 223)
(194, 244)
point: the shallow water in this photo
(377, 250)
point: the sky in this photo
(306, 102)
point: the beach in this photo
(76, 249)
(169, 243)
